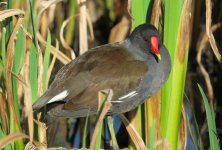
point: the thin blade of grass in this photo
(3, 50)
(19, 51)
(18, 59)
(33, 72)
(34, 23)
(112, 132)
(99, 137)
(8, 21)
(61, 56)
(33, 58)
(46, 61)
(52, 64)
(214, 141)
(85, 132)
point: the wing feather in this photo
(106, 67)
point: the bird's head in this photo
(146, 36)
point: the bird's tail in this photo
(41, 102)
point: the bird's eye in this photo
(145, 39)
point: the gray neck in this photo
(134, 49)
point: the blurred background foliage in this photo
(38, 37)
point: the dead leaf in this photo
(11, 138)
(134, 135)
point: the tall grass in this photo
(176, 38)
(212, 130)
(20, 68)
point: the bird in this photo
(135, 69)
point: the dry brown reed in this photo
(134, 135)
(11, 138)
(200, 49)
(209, 30)
(83, 44)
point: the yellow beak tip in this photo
(158, 56)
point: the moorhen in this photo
(134, 69)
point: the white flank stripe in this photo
(116, 101)
(127, 95)
(133, 95)
(58, 97)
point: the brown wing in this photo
(117, 70)
(106, 67)
(121, 81)
(121, 78)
